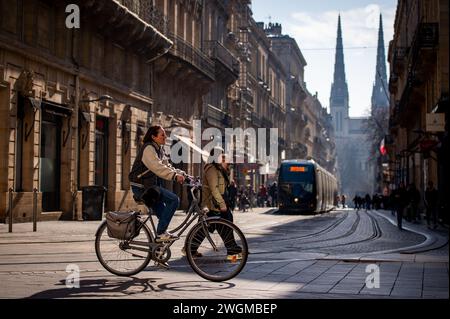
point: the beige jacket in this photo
(161, 167)
(214, 185)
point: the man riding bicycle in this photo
(149, 169)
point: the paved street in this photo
(323, 256)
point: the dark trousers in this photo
(400, 216)
(226, 234)
(432, 213)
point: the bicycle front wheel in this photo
(121, 257)
(216, 249)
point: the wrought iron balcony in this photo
(126, 27)
(147, 12)
(216, 51)
(192, 55)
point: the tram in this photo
(305, 187)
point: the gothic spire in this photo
(339, 89)
(379, 92)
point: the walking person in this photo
(232, 193)
(414, 198)
(215, 197)
(431, 203)
(343, 200)
(400, 202)
(368, 201)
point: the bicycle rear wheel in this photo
(121, 257)
(222, 246)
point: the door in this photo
(50, 162)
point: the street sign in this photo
(435, 122)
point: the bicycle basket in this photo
(121, 225)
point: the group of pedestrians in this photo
(406, 204)
(245, 198)
(403, 202)
(368, 202)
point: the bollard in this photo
(34, 209)
(10, 221)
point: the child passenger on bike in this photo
(149, 169)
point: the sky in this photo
(313, 24)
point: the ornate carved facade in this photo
(419, 88)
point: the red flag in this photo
(383, 150)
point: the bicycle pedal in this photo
(162, 265)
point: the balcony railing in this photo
(195, 57)
(215, 50)
(147, 12)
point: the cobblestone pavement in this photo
(323, 256)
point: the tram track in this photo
(323, 231)
(375, 234)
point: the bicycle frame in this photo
(193, 212)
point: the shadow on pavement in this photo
(124, 286)
(99, 288)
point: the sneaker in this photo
(234, 250)
(234, 258)
(166, 237)
(195, 254)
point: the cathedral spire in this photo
(339, 89)
(379, 92)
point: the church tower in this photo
(380, 89)
(339, 91)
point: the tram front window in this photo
(297, 181)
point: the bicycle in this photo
(211, 246)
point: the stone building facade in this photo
(418, 55)
(77, 102)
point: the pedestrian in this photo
(414, 200)
(215, 197)
(343, 200)
(273, 193)
(355, 202)
(149, 169)
(400, 201)
(431, 203)
(232, 193)
(368, 201)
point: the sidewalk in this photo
(34, 264)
